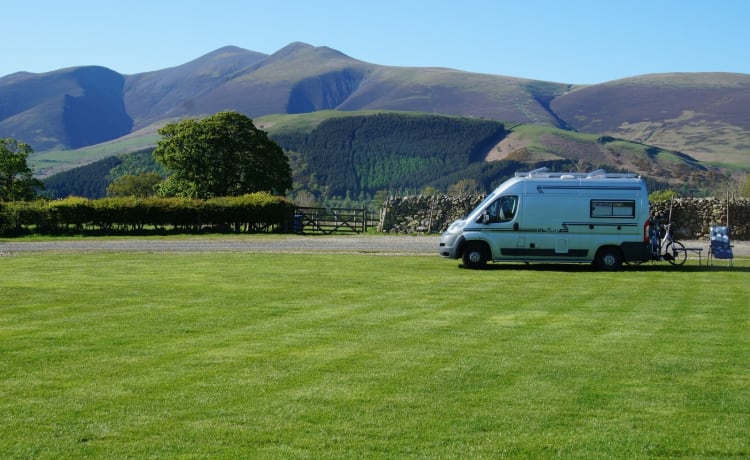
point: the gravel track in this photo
(377, 244)
(385, 244)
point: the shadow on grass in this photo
(582, 267)
(662, 267)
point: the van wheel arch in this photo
(608, 258)
(475, 254)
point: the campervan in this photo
(542, 216)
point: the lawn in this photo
(239, 355)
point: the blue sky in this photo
(575, 41)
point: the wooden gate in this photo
(329, 220)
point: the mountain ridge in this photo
(299, 77)
(703, 115)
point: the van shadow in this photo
(583, 268)
(666, 267)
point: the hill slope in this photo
(357, 154)
(69, 108)
(296, 79)
(169, 93)
(706, 115)
(701, 116)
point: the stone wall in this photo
(692, 217)
(424, 214)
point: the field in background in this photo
(229, 355)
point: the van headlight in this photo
(456, 226)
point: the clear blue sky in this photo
(574, 41)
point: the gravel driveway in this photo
(388, 244)
(382, 244)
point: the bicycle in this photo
(665, 247)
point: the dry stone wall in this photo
(692, 217)
(424, 213)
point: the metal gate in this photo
(326, 221)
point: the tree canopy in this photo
(221, 155)
(745, 188)
(17, 182)
(141, 185)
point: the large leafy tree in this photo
(221, 155)
(17, 182)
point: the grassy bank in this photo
(342, 356)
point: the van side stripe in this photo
(529, 252)
(564, 228)
(603, 224)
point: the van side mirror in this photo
(515, 226)
(485, 218)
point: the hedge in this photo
(257, 212)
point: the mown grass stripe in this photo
(336, 356)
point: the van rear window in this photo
(608, 208)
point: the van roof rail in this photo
(536, 172)
(599, 174)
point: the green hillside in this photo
(365, 154)
(358, 154)
(56, 161)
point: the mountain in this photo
(173, 93)
(698, 116)
(70, 108)
(299, 78)
(704, 114)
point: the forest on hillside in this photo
(386, 152)
(352, 158)
(91, 180)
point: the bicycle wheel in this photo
(677, 251)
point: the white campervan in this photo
(542, 216)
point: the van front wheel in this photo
(475, 255)
(608, 259)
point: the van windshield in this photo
(482, 205)
(503, 209)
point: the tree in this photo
(662, 195)
(429, 190)
(17, 182)
(464, 187)
(745, 188)
(221, 155)
(141, 185)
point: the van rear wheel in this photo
(475, 255)
(609, 259)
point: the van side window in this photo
(612, 208)
(503, 209)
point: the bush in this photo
(248, 213)
(662, 195)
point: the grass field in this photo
(238, 355)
